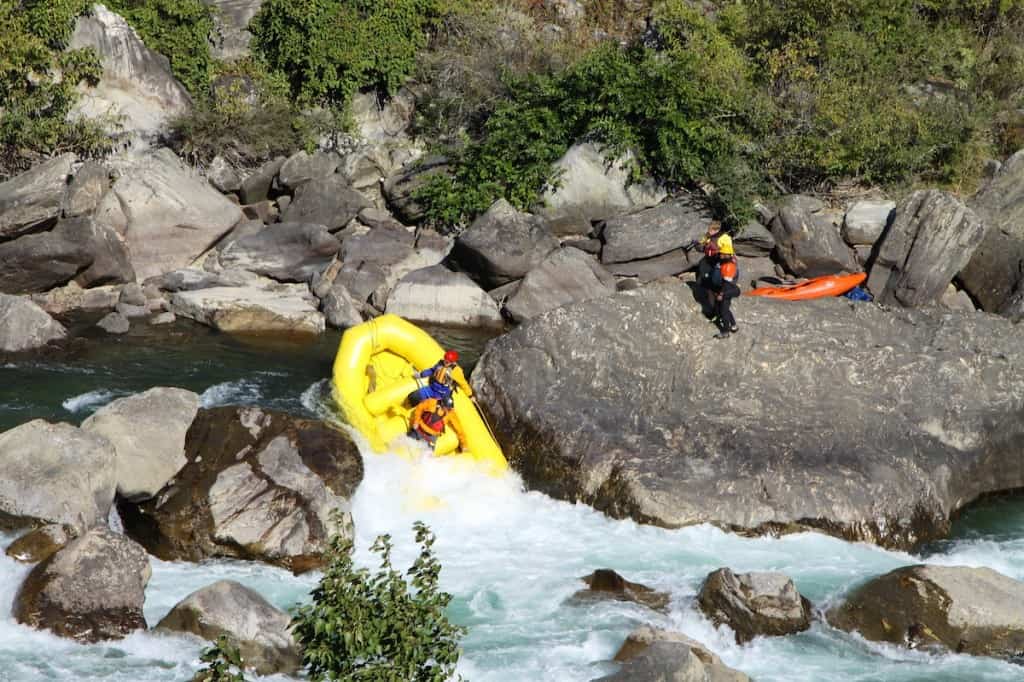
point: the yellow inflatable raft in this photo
(374, 372)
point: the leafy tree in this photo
(38, 77)
(329, 49)
(223, 663)
(363, 626)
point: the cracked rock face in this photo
(257, 485)
(867, 424)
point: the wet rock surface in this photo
(91, 590)
(258, 485)
(754, 604)
(967, 610)
(867, 424)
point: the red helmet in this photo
(451, 356)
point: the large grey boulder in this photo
(258, 629)
(931, 238)
(375, 261)
(260, 307)
(993, 274)
(591, 187)
(606, 584)
(401, 186)
(329, 201)
(754, 604)
(654, 655)
(753, 240)
(55, 473)
(653, 232)
(286, 252)
(136, 86)
(72, 298)
(231, 27)
(223, 176)
(439, 296)
(173, 215)
(503, 245)
(866, 220)
(87, 189)
(25, 326)
(256, 186)
(148, 433)
(109, 260)
(91, 590)
(606, 402)
(650, 269)
(967, 610)
(302, 167)
(258, 485)
(807, 239)
(565, 276)
(39, 262)
(32, 201)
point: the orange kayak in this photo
(819, 287)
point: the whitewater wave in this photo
(240, 392)
(91, 401)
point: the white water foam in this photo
(243, 391)
(512, 559)
(91, 401)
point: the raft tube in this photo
(819, 287)
(376, 369)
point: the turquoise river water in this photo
(511, 557)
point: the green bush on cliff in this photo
(329, 49)
(376, 626)
(179, 30)
(684, 111)
(34, 99)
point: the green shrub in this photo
(363, 626)
(682, 110)
(179, 30)
(223, 663)
(329, 49)
(34, 100)
(248, 118)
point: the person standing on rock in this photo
(717, 274)
(723, 289)
(443, 378)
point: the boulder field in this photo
(865, 423)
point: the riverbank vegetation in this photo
(734, 97)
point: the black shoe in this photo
(724, 334)
(734, 329)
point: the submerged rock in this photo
(967, 610)
(605, 583)
(258, 485)
(866, 424)
(39, 544)
(226, 607)
(91, 590)
(754, 604)
(653, 655)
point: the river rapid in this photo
(511, 557)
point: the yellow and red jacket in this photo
(426, 419)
